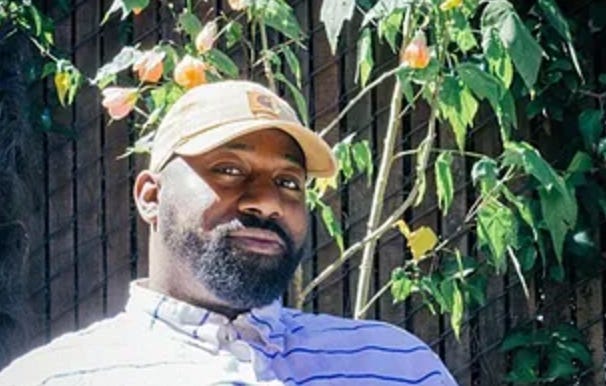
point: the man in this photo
(225, 200)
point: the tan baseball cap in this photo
(213, 114)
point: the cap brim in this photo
(319, 159)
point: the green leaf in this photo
(278, 15)
(496, 225)
(482, 84)
(556, 19)
(404, 75)
(390, 27)
(590, 126)
(190, 23)
(293, 64)
(332, 226)
(342, 153)
(560, 366)
(515, 339)
(401, 286)
(581, 163)
(444, 183)
(233, 33)
(297, 96)
(126, 6)
(560, 215)
(223, 63)
(499, 62)
(362, 156)
(458, 106)
(524, 368)
(461, 32)
(485, 173)
(365, 60)
(524, 155)
(383, 8)
(523, 49)
(125, 58)
(333, 14)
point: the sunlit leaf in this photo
(300, 101)
(444, 183)
(526, 53)
(293, 64)
(458, 106)
(223, 63)
(190, 23)
(322, 184)
(62, 84)
(496, 229)
(420, 241)
(333, 14)
(365, 60)
(362, 156)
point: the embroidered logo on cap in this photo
(262, 104)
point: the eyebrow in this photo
(246, 147)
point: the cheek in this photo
(297, 219)
(193, 199)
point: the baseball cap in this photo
(210, 115)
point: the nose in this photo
(261, 198)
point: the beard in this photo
(240, 278)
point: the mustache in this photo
(252, 221)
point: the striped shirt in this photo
(162, 341)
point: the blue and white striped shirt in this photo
(162, 341)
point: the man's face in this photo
(236, 216)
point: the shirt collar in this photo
(261, 325)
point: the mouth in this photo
(258, 241)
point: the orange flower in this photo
(206, 37)
(190, 72)
(416, 54)
(149, 66)
(137, 10)
(119, 101)
(237, 5)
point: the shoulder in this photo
(363, 330)
(69, 352)
(374, 349)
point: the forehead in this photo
(272, 142)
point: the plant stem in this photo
(266, 64)
(376, 208)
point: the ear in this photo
(145, 192)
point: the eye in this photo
(288, 183)
(229, 170)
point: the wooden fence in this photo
(86, 242)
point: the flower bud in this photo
(190, 72)
(149, 66)
(237, 5)
(416, 54)
(119, 101)
(206, 37)
(450, 4)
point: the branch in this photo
(266, 65)
(357, 98)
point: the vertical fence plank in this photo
(491, 319)
(89, 254)
(457, 353)
(420, 320)
(325, 95)
(358, 193)
(116, 189)
(61, 205)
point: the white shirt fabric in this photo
(159, 340)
